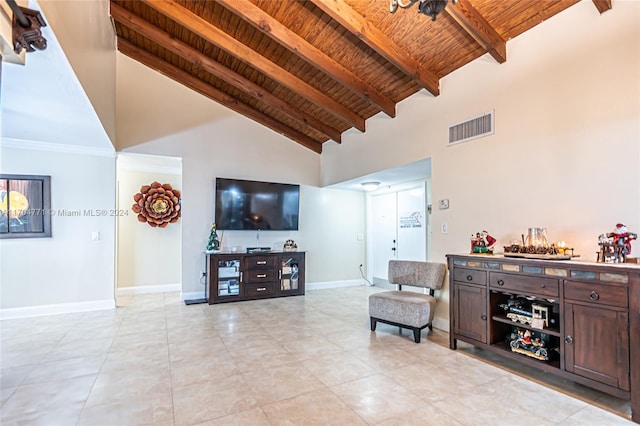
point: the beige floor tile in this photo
(6, 393)
(137, 359)
(80, 348)
(281, 382)
(14, 376)
(130, 412)
(510, 398)
(591, 416)
(377, 398)
(253, 417)
(297, 360)
(320, 407)
(339, 367)
(204, 368)
(425, 415)
(310, 347)
(205, 401)
(71, 368)
(261, 358)
(385, 357)
(52, 403)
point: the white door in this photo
(412, 235)
(398, 228)
(383, 233)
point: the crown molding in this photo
(56, 147)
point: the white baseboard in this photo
(148, 289)
(61, 308)
(334, 284)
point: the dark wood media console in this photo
(233, 277)
(591, 313)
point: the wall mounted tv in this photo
(251, 205)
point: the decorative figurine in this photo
(482, 242)
(616, 246)
(290, 245)
(532, 344)
(214, 244)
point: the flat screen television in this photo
(252, 205)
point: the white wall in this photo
(148, 259)
(214, 142)
(566, 151)
(68, 269)
(86, 35)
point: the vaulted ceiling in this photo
(311, 70)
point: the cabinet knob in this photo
(500, 282)
(469, 278)
(543, 285)
(594, 296)
(568, 340)
(483, 317)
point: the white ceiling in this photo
(43, 101)
(416, 171)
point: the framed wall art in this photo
(25, 206)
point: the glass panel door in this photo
(289, 273)
(229, 277)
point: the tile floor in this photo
(291, 361)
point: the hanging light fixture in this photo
(428, 7)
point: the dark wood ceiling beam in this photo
(479, 28)
(142, 27)
(603, 5)
(355, 23)
(205, 89)
(214, 35)
(300, 47)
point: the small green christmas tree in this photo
(214, 243)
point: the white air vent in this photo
(473, 128)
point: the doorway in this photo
(397, 227)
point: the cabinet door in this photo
(470, 319)
(226, 278)
(597, 344)
(291, 274)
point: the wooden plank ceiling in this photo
(310, 70)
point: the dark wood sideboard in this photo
(234, 277)
(592, 310)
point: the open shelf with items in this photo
(571, 319)
(233, 277)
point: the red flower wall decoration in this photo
(157, 204)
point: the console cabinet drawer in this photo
(597, 294)
(261, 262)
(261, 275)
(259, 290)
(525, 284)
(470, 276)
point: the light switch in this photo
(95, 236)
(444, 228)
